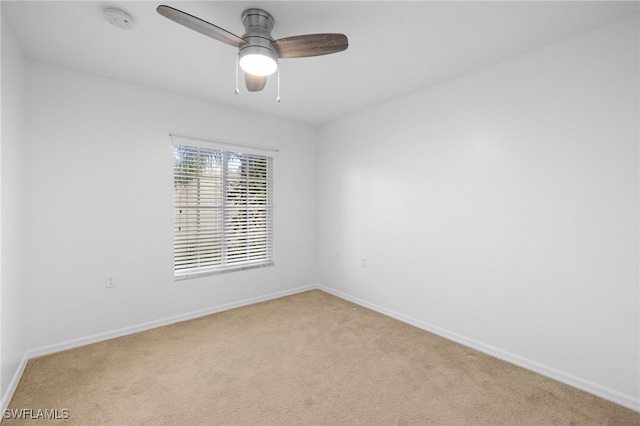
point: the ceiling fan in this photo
(258, 52)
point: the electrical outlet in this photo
(363, 262)
(110, 281)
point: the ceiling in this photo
(395, 48)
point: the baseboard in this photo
(99, 337)
(13, 385)
(577, 382)
(612, 395)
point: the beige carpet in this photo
(310, 358)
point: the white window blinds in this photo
(222, 210)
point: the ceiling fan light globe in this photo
(258, 60)
(258, 64)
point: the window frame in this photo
(249, 153)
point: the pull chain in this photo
(237, 72)
(278, 98)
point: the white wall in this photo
(501, 209)
(12, 198)
(100, 196)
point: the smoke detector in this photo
(117, 18)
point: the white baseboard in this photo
(13, 385)
(99, 337)
(624, 400)
(612, 395)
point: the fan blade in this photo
(310, 45)
(201, 26)
(255, 83)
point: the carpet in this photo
(310, 358)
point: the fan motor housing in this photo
(258, 25)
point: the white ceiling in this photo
(395, 48)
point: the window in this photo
(222, 210)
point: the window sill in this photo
(204, 273)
